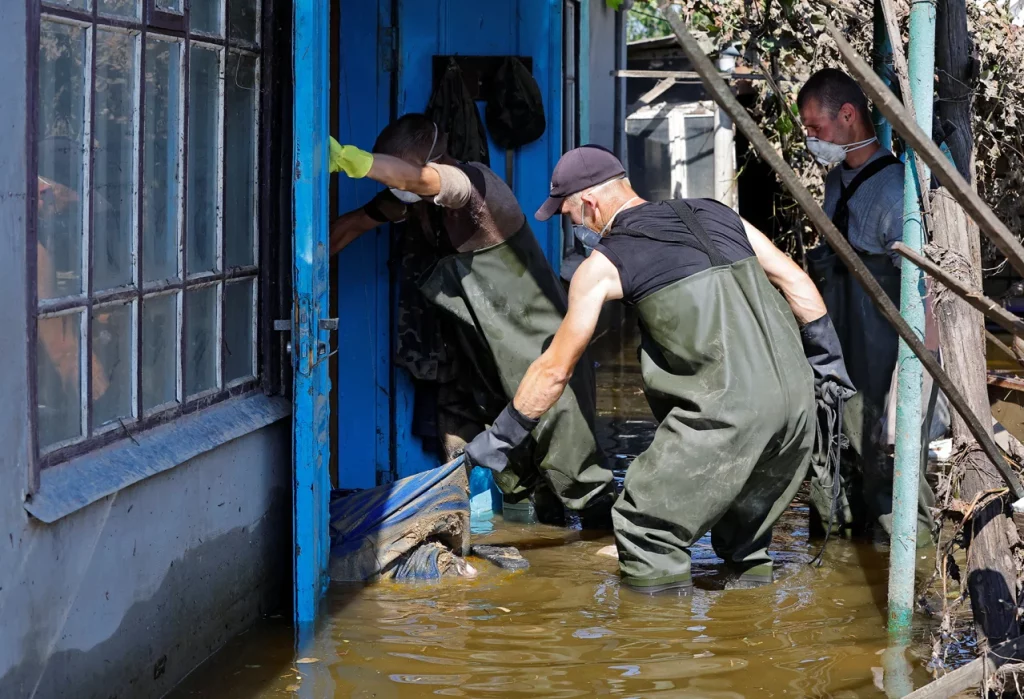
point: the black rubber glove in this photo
(492, 448)
(821, 347)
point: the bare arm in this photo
(348, 227)
(395, 172)
(383, 208)
(793, 282)
(596, 281)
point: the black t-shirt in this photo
(646, 265)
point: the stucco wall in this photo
(123, 598)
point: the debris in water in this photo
(505, 609)
(292, 688)
(306, 661)
(431, 561)
(412, 529)
(609, 551)
(505, 557)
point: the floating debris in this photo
(505, 557)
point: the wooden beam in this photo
(1011, 383)
(973, 673)
(683, 75)
(991, 310)
(645, 99)
(721, 93)
(925, 149)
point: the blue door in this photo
(311, 328)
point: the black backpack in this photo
(515, 111)
(451, 107)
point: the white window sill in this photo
(83, 480)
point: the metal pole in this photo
(725, 160)
(908, 402)
(725, 148)
(883, 66)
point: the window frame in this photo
(267, 275)
(679, 147)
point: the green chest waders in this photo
(870, 347)
(725, 374)
(507, 304)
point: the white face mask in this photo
(828, 153)
(411, 197)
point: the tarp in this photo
(373, 530)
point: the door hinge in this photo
(387, 46)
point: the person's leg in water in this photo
(742, 536)
(674, 492)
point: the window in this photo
(650, 158)
(698, 171)
(146, 141)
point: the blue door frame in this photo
(310, 336)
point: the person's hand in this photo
(493, 447)
(832, 382)
(354, 162)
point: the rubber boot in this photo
(539, 506)
(755, 576)
(598, 513)
(677, 588)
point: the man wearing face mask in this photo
(725, 364)
(490, 303)
(864, 198)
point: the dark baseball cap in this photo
(579, 169)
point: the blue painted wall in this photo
(375, 406)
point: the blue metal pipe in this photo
(908, 406)
(884, 67)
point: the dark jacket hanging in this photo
(453, 110)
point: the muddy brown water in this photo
(565, 627)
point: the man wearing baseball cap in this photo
(724, 358)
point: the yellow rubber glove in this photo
(350, 160)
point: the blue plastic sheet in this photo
(372, 531)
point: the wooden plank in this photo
(686, 75)
(1011, 383)
(992, 310)
(973, 673)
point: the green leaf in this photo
(614, 4)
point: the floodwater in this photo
(565, 627)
